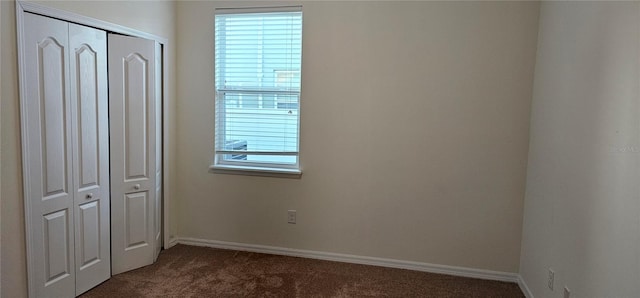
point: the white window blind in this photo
(257, 80)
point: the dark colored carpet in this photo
(189, 271)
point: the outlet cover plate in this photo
(291, 216)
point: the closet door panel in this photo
(88, 76)
(47, 156)
(133, 84)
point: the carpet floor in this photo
(190, 271)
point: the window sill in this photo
(256, 171)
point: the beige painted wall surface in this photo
(0, 157)
(414, 134)
(582, 206)
(153, 17)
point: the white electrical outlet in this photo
(551, 277)
(567, 293)
(291, 216)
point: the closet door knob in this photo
(89, 196)
(137, 186)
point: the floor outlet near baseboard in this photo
(291, 216)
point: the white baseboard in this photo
(310, 254)
(524, 287)
(172, 242)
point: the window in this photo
(257, 80)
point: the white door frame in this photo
(24, 7)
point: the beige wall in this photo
(0, 158)
(414, 134)
(582, 206)
(153, 17)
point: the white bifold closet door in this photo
(66, 156)
(135, 105)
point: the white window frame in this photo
(225, 166)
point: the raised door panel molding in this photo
(88, 134)
(136, 84)
(56, 246)
(136, 225)
(89, 234)
(51, 74)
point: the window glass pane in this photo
(258, 62)
(262, 129)
(287, 102)
(250, 101)
(268, 101)
(272, 159)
